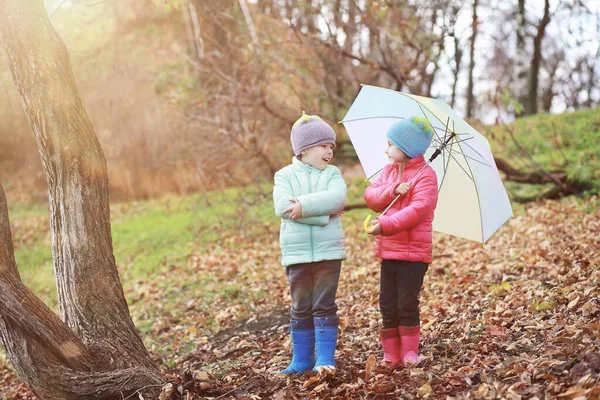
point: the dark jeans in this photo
(400, 285)
(313, 287)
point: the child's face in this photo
(395, 154)
(318, 156)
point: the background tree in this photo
(458, 51)
(96, 353)
(471, 83)
(521, 74)
(180, 92)
(536, 60)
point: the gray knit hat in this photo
(309, 131)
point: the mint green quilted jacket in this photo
(318, 235)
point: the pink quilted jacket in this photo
(406, 227)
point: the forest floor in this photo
(514, 318)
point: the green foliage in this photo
(147, 236)
(151, 237)
(566, 142)
(509, 101)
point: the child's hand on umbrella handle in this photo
(295, 210)
(402, 188)
(374, 228)
(369, 226)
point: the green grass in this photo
(146, 235)
(150, 236)
(567, 142)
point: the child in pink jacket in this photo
(404, 236)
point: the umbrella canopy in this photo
(472, 202)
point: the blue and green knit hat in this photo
(412, 135)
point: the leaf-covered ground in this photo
(516, 318)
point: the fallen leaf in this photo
(573, 303)
(310, 381)
(370, 365)
(573, 392)
(424, 390)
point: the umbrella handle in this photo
(366, 223)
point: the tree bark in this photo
(521, 55)
(218, 28)
(592, 79)
(192, 32)
(553, 65)
(441, 39)
(458, 53)
(308, 17)
(470, 95)
(94, 353)
(532, 97)
(350, 28)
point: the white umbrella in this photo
(472, 201)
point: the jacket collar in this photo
(414, 163)
(411, 166)
(300, 166)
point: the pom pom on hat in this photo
(309, 131)
(412, 135)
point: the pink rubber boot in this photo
(409, 349)
(390, 341)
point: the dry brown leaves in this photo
(516, 318)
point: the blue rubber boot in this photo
(326, 333)
(303, 344)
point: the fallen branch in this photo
(355, 206)
(514, 175)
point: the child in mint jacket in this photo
(309, 197)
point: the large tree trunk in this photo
(536, 60)
(470, 86)
(98, 353)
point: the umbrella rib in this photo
(478, 197)
(392, 117)
(437, 140)
(458, 141)
(471, 147)
(421, 107)
(461, 167)
(469, 157)
(445, 164)
(464, 140)
(446, 125)
(425, 115)
(376, 117)
(471, 176)
(443, 140)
